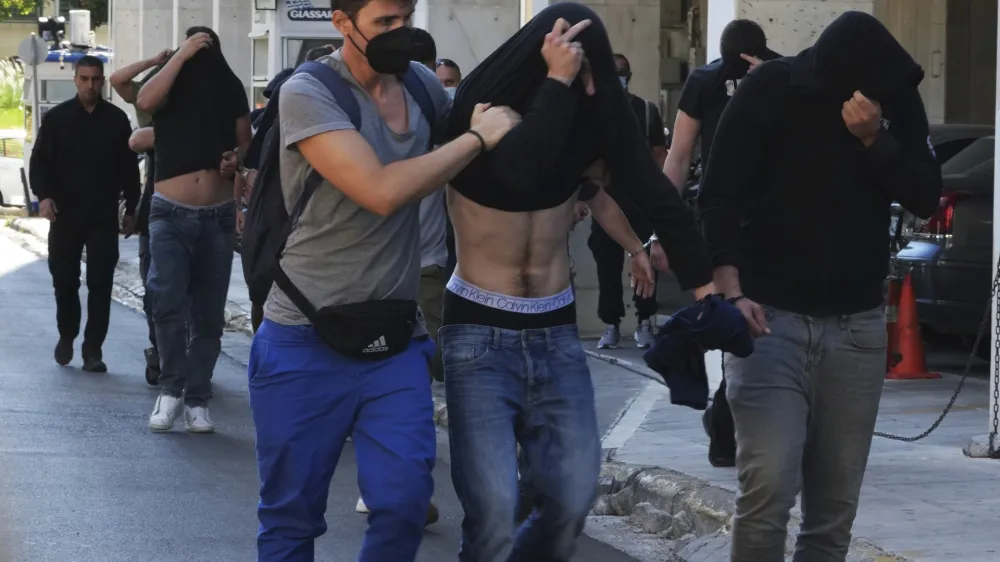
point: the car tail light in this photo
(942, 221)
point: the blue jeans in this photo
(305, 400)
(531, 387)
(191, 259)
(804, 405)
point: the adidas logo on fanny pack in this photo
(376, 346)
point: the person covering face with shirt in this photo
(706, 92)
(809, 155)
(200, 115)
(124, 82)
(515, 371)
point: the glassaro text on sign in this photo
(310, 14)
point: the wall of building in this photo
(142, 28)
(971, 61)
(943, 36)
(922, 28)
(467, 31)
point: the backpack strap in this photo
(415, 85)
(339, 87)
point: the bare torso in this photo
(516, 254)
(198, 189)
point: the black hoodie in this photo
(796, 202)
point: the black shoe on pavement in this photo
(93, 359)
(721, 450)
(64, 351)
(152, 366)
(94, 365)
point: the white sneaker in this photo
(644, 336)
(361, 507)
(611, 338)
(165, 411)
(198, 420)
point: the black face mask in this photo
(390, 52)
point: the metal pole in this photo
(36, 119)
(994, 390)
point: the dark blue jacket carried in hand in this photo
(679, 352)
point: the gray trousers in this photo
(804, 405)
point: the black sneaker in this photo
(721, 449)
(152, 366)
(64, 351)
(94, 365)
(92, 359)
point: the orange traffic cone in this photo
(892, 355)
(909, 343)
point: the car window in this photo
(948, 149)
(973, 156)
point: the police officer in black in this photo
(608, 255)
(80, 166)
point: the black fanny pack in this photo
(371, 330)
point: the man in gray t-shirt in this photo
(356, 242)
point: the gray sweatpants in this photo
(804, 405)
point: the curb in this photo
(691, 513)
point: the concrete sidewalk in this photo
(922, 501)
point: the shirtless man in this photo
(200, 112)
(515, 371)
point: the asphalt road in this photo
(83, 480)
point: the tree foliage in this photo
(14, 8)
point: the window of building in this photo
(260, 58)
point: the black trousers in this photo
(67, 240)
(610, 259)
(147, 299)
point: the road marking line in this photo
(634, 414)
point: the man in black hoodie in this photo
(706, 92)
(809, 155)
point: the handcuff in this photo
(645, 246)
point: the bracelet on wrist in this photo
(479, 137)
(734, 300)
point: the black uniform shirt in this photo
(82, 161)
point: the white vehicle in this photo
(55, 84)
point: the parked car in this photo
(950, 255)
(948, 140)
